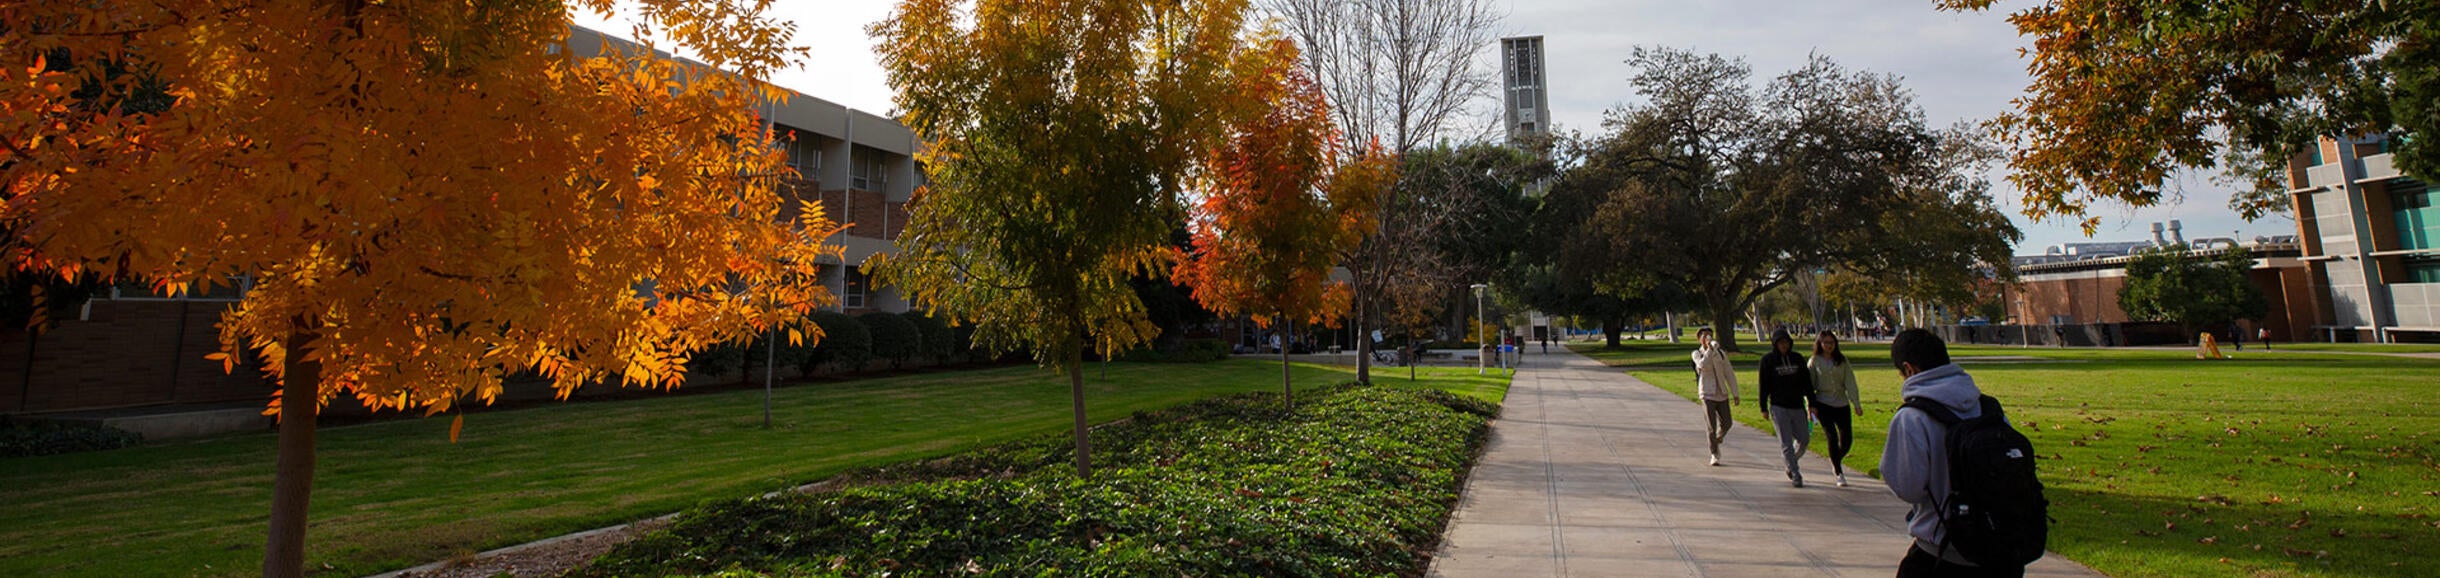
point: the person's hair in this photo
(1918, 347)
(1838, 355)
(1782, 337)
(1702, 332)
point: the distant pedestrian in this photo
(2263, 334)
(1993, 520)
(1835, 401)
(2236, 335)
(1787, 387)
(1716, 383)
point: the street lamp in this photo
(1480, 333)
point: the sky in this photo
(1960, 67)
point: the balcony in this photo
(2380, 167)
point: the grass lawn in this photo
(2283, 463)
(396, 494)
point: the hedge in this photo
(894, 338)
(1360, 480)
(1188, 351)
(939, 341)
(42, 439)
(846, 343)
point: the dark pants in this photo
(1838, 432)
(1921, 564)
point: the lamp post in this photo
(1480, 333)
(2024, 324)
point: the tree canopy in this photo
(1729, 190)
(425, 198)
(2127, 93)
(1282, 207)
(1058, 137)
(2171, 284)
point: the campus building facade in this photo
(2371, 236)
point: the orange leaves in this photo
(440, 194)
(1283, 206)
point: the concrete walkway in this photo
(1591, 472)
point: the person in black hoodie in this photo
(1787, 387)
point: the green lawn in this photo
(2283, 463)
(396, 494)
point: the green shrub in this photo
(42, 439)
(938, 340)
(1188, 351)
(720, 359)
(1358, 481)
(894, 338)
(846, 343)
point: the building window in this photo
(869, 172)
(2423, 271)
(804, 154)
(853, 297)
(2417, 216)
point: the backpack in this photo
(1995, 514)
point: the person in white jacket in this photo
(1716, 384)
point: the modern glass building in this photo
(2372, 237)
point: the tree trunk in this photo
(1364, 344)
(292, 482)
(1084, 445)
(1724, 325)
(1287, 390)
(1610, 328)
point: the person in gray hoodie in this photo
(1915, 463)
(1786, 387)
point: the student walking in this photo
(1787, 388)
(1991, 522)
(1716, 384)
(1835, 401)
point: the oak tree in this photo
(427, 196)
(1731, 190)
(1059, 135)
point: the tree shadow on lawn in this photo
(2122, 535)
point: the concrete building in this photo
(1524, 94)
(2371, 236)
(859, 165)
(129, 347)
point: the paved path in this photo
(1591, 472)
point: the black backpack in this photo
(1994, 514)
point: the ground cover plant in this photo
(399, 494)
(1356, 482)
(2276, 463)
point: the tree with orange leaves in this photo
(1281, 208)
(427, 196)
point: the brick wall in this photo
(127, 353)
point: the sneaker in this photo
(1796, 479)
(1842, 480)
(1715, 459)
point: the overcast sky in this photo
(1960, 66)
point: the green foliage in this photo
(846, 344)
(1729, 188)
(894, 338)
(2127, 94)
(1358, 483)
(2170, 285)
(1186, 351)
(42, 439)
(939, 341)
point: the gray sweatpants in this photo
(1795, 435)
